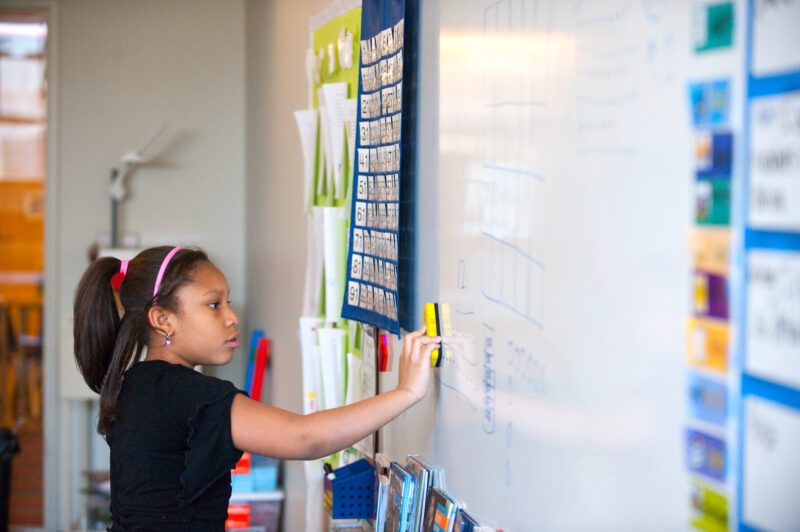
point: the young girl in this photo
(174, 433)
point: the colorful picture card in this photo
(710, 247)
(713, 202)
(710, 295)
(709, 508)
(707, 344)
(713, 24)
(707, 399)
(706, 455)
(710, 102)
(713, 154)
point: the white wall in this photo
(120, 69)
(276, 245)
(125, 68)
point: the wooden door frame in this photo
(53, 510)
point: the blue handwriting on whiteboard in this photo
(488, 386)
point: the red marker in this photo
(260, 371)
(384, 353)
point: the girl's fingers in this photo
(421, 332)
(427, 340)
(408, 339)
(426, 347)
(426, 352)
(408, 343)
(431, 346)
(416, 344)
(415, 341)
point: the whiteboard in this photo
(565, 203)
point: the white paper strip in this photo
(307, 122)
(332, 364)
(335, 249)
(335, 98)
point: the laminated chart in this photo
(773, 316)
(371, 294)
(768, 298)
(775, 162)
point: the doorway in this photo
(23, 126)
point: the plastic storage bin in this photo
(349, 494)
(255, 473)
(254, 516)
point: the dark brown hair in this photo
(105, 344)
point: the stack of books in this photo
(413, 498)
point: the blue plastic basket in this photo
(350, 494)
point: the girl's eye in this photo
(214, 305)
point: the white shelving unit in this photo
(267, 496)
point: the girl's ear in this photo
(159, 319)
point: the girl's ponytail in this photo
(96, 321)
(131, 339)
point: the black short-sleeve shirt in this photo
(171, 449)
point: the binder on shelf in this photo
(382, 466)
(440, 512)
(465, 522)
(400, 507)
(423, 473)
(382, 502)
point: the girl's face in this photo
(205, 325)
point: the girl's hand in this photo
(415, 362)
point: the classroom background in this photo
(602, 197)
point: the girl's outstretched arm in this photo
(270, 431)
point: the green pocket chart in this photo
(333, 79)
(331, 346)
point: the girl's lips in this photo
(233, 341)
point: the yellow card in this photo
(711, 249)
(707, 344)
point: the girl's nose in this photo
(233, 319)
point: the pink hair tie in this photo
(116, 280)
(163, 268)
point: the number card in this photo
(372, 273)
